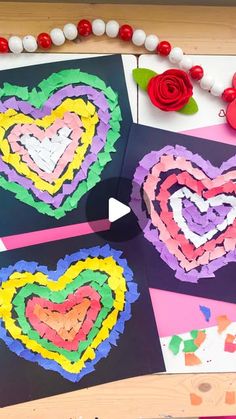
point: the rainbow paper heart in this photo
(55, 141)
(187, 210)
(67, 320)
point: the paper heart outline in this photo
(46, 320)
(41, 340)
(36, 98)
(136, 203)
(103, 348)
(58, 113)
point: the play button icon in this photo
(116, 209)
(110, 200)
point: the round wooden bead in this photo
(186, 63)
(151, 42)
(44, 40)
(112, 28)
(176, 55)
(15, 44)
(126, 33)
(229, 94)
(30, 43)
(84, 27)
(138, 37)
(57, 36)
(70, 31)
(217, 89)
(98, 27)
(196, 72)
(207, 82)
(163, 48)
(4, 45)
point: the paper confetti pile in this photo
(67, 320)
(187, 209)
(190, 346)
(56, 139)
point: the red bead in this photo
(126, 32)
(196, 72)
(163, 48)
(4, 45)
(229, 94)
(44, 40)
(84, 27)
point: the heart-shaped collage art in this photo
(187, 210)
(67, 320)
(56, 139)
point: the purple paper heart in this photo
(215, 215)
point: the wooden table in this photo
(198, 30)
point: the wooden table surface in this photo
(198, 30)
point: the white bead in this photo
(206, 82)
(15, 44)
(176, 55)
(217, 89)
(98, 27)
(186, 63)
(151, 42)
(70, 31)
(138, 37)
(30, 43)
(58, 37)
(112, 28)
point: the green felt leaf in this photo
(191, 107)
(142, 76)
(174, 344)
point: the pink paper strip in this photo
(179, 313)
(53, 234)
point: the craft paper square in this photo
(183, 196)
(63, 128)
(73, 314)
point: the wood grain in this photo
(198, 30)
(156, 396)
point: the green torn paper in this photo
(174, 344)
(189, 346)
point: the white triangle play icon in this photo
(116, 209)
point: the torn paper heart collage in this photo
(190, 210)
(67, 320)
(56, 139)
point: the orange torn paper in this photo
(200, 338)
(195, 399)
(191, 359)
(223, 322)
(230, 397)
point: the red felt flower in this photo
(171, 90)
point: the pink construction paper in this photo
(52, 234)
(217, 417)
(222, 133)
(179, 313)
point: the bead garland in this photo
(126, 33)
